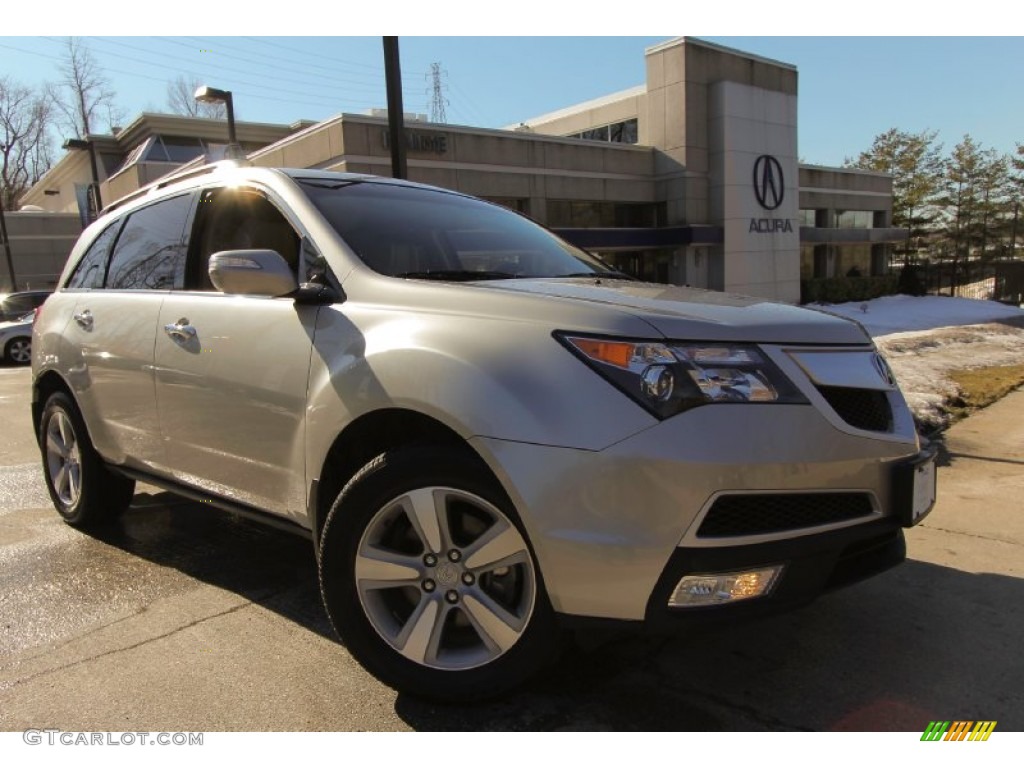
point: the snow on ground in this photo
(892, 314)
(926, 337)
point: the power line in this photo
(480, 119)
(262, 63)
(213, 65)
(332, 101)
(258, 97)
(194, 73)
(377, 69)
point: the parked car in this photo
(16, 340)
(15, 305)
(488, 434)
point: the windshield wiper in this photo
(461, 275)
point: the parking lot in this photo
(185, 618)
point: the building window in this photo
(808, 217)
(853, 261)
(517, 204)
(625, 132)
(597, 213)
(854, 219)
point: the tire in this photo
(460, 618)
(84, 491)
(19, 350)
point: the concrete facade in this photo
(40, 244)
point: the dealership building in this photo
(691, 178)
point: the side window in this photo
(230, 219)
(93, 265)
(150, 253)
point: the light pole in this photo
(3, 234)
(86, 144)
(396, 117)
(207, 95)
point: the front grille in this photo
(755, 514)
(861, 408)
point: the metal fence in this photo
(995, 280)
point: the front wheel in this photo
(83, 490)
(429, 580)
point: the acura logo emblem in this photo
(768, 182)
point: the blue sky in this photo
(850, 88)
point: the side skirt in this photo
(228, 505)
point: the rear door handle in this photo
(84, 319)
(181, 330)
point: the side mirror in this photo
(256, 272)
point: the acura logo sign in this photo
(768, 182)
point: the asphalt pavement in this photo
(183, 618)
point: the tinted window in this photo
(16, 305)
(230, 219)
(410, 232)
(150, 252)
(90, 270)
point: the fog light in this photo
(703, 589)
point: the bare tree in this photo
(24, 139)
(181, 101)
(83, 96)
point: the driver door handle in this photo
(84, 319)
(181, 330)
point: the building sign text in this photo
(419, 142)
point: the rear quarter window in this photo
(92, 267)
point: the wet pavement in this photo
(181, 617)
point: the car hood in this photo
(683, 313)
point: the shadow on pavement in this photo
(274, 569)
(918, 643)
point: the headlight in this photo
(667, 378)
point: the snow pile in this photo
(922, 361)
(924, 338)
(893, 314)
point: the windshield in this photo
(421, 233)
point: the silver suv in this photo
(487, 433)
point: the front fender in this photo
(481, 377)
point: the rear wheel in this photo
(84, 491)
(429, 580)
(19, 351)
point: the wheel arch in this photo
(44, 386)
(369, 436)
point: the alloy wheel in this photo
(445, 578)
(20, 351)
(63, 459)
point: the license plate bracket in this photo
(914, 491)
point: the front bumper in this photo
(611, 529)
(812, 565)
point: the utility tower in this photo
(438, 101)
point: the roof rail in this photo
(181, 174)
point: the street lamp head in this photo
(208, 95)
